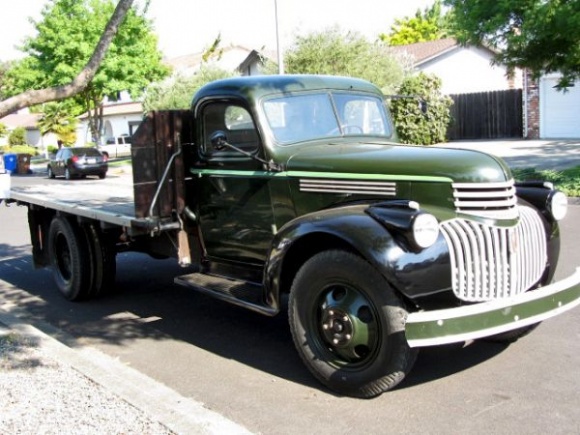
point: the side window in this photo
(237, 124)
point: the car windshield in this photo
(297, 118)
(91, 152)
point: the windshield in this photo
(296, 118)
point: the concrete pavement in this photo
(539, 154)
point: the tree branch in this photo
(82, 80)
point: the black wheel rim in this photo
(62, 255)
(347, 329)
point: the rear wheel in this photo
(69, 259)
(103, 175)
(50, 173)
(348, 325)
(103, 261)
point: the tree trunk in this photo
(82, 80)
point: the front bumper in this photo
(455, 325)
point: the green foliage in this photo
(20, 149)
(541, 35)
(4, 67)
(336, 52)
(428, 25)
(177, 92)
(66, 36)
(414, 126)
(567, 180)
(3, 130)
(17, 137)
(57, 119)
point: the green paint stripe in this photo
(307, 174)
(445, 328)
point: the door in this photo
(559, 110)
(233, 190)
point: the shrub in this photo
(17, 137)
(414, 126)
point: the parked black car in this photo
(73, 162)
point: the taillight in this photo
(75, 159)
(105, 158)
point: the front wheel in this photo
(348, 325)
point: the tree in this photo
(80, 81)
(178, 92)
(336, 52)
(414, 126)
(57, 119)
(67, 31)
(428, 25)
(541, 35)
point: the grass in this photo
(120, 162)
(567, 180)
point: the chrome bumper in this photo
(454, 325)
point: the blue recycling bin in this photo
(10, 163)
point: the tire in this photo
(103, 261)
(348, 325)
(67, 174)
(103, 175)
(50, 173)
(511, 336)
(69, 258)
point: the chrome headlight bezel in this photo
(557, 204)
(424, 230)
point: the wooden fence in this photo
(486, 115)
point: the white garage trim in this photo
(559, 111)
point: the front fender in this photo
(413, 274)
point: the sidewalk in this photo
(50, 388)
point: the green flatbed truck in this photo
(291, 192)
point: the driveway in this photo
(539, 154)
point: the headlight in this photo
(425, 230)
(558, 205)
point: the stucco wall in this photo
(468, 69)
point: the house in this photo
(548, 112)
(119, 119)
(232, 58)
(29, 121)
(462, 69)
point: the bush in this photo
(17, 137)
(414, 126)
(19, 149)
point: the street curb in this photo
(160, 403)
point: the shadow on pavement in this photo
(147, 305)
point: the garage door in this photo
(559, 111)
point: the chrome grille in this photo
(492, 262)
(382, 188)
(494, 200)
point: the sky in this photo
(190, 26)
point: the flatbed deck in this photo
(109, 201)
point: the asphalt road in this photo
(244, 366)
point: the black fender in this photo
(412, 273)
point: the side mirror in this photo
(218, 140)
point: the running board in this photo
(242, 293)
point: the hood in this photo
(463, 166)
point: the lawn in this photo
(567, 180)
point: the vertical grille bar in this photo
(495, 262)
